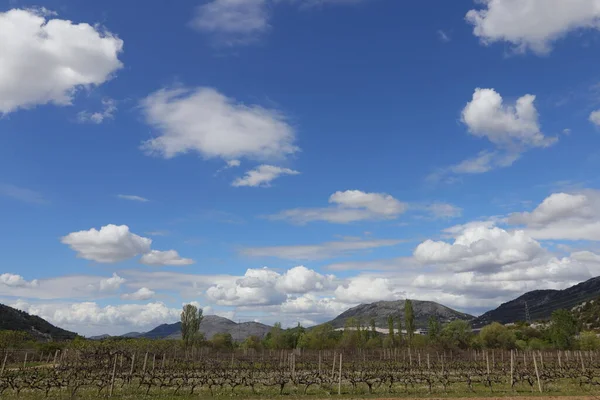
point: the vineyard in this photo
(386, 372)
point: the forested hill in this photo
(541, 303)
(15, 320)
(381, 310)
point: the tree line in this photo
(562, 332)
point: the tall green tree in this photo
(392, 339)
(563, 328)
(409, 320)
(191, 318)
(276, 338)
(400, 338)
(373, 329)
(434, 329)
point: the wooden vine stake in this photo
(537, 373)
(3, 364)
(340, 377)
(25, 361)
(319, 361)
(333, 367)
(112, 378)
(132, 364)
(512, 370)
(145, 362)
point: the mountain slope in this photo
(541, 303)
(381, 310)
(16, 320)
(211, 325)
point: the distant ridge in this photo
(381, 310)
(541, 303)
(15, 320)
(210, 326)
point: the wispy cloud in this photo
(132, 197)
(443, 36)
(109, 107)
(21, 194)
(318, 251)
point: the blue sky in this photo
(284, 160)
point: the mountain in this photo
(211, 325)
(541, 303)
(16, 320)
(132, 334)
(587, 314)
(381, 310)
(99, 337)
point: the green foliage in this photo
(409, 318)
(222, 341)
(420, 342)
(13, 339)
(456, 334)
(538, 344)
(275, 339)
(191, 318)
(497, 336)
(390, 339)
(563, 329)
(353, 336)
(434, 329)
(521, 344)
(589, 341)
(319, 338)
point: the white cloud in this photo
(108, 112)
(480, 248)
(317, 251)
(532, 24)
(366, 289)
(311, 305)
(511, 128)
(110, 244)
(232, 21)
(161, 258)
(16, 281)
(48, 60)
(90, 318)
(303, 280)
(350, 206)
(507, 126)
(140, 294)
(111, 284)
(132, 198)
(205, 121)
(595, 117)
(267, 287)
(262, 175)
(233, 163)
(563, 216)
